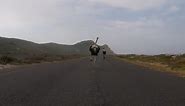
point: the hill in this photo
(21, 48)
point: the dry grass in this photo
(7, 61)
(159, 62)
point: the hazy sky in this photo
(127, 26)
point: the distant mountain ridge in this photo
(23, 48)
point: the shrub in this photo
(6, 59)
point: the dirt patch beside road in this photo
(6, 66)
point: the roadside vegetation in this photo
(4, 60)
(163, 62)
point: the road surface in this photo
(81, 83)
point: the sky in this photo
(127, 26)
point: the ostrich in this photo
(94, 49)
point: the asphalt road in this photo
(81, 83)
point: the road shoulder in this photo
(155, 67)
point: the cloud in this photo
(146, 36)
(173, 9)
(139, 24)
(132, 4)
(128, 26)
